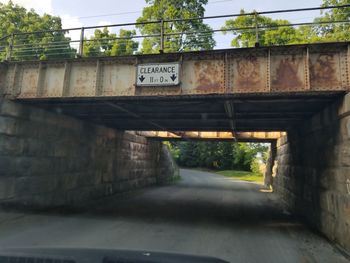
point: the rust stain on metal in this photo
(248, 76)
(286, 75)
(82, 81)
(248, 70)
(209, 76)
(53, 81)
(29, 82)
(117, 79)
(158, 91)
(31, 78)
(323, 71)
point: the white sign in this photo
(162, 74)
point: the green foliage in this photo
(336, 31)
(104, 43)
(217, 155)
(255, 166)
(16, 19)
(275, 34)
(174, 9)
(175, 152)
(247, 38)
(243, 156)
(243, 175)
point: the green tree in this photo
(16, 19)
(277, 31)
(334, 31)
(175, 9)
(218, 155)
(104, 43)
(274, 35)
(188, 155)
(246, 153)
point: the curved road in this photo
(203, 214)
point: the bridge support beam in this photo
(312, 171)
(48, 159)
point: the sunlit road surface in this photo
(203, 214)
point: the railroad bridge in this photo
(263, 89)
(73, 130)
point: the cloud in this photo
(104, 23)
(40, 6)
(69, 21)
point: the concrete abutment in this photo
(312, 171)
(48, 159)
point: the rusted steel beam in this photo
(203, 135)
(264, 70)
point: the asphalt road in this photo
(203, 214)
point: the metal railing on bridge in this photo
(72, 42)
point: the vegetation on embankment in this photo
(241, 161)
(242, 175)
(220, 156)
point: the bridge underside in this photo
(213, 136)
(239, 113)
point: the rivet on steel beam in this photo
(268, 66)
(348, 67)
(307, 69)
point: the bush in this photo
(255, 167)
(217, 155)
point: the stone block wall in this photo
(48, 159)
(167, 165)
(312, 171)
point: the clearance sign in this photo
(162, 74)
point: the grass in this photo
(242, 175)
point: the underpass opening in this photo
(198, 115)
(308, 166)
(217, 151)
(243, 117)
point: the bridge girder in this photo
(234, 90)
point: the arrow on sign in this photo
(142, 78)
(173, 77)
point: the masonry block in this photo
(345, 105)
(48, 159)
(10, 109)
(7, 187)
(8, 166)
(8, 125)
(313, 171)
(10, 145)
(345, 129)
(34, 185)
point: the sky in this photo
(78, 13)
